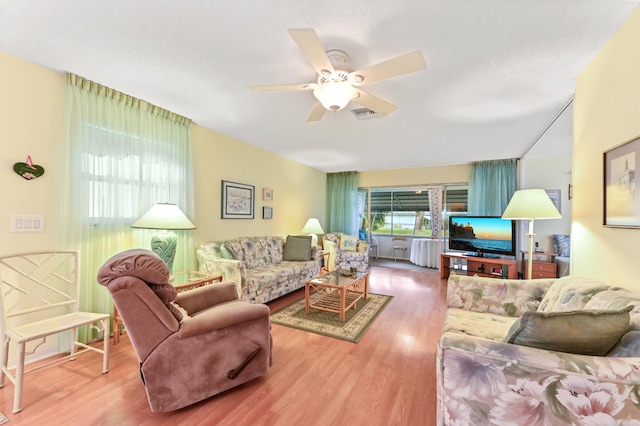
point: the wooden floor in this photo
(388, 378)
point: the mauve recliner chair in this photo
(222, 342)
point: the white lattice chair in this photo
(39, 297)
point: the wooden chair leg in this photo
(116, 330)
(105, 345)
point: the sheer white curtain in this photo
(122, 156)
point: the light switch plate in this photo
(27, 223)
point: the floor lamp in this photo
(164, 217)
(530, 204)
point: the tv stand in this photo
(474, 265)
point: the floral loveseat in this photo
(258, 267)
(347, 251)
(483, 380)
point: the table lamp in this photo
(165, 217)
(530, 204)
(313, 228)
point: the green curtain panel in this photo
(342, 203)
(491, 185)
(122, 156)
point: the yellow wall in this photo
(31, 118)
(607, 113)
(31, 114)
(415, 176)
(298, 191)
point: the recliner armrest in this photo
(201, 298)
(222, 316)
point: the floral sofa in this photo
(482, 379)
(346, 251)
(257, 265)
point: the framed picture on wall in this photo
(238, 200)
(621, 193)
(267, 212)
(267, 194)
(554, 195)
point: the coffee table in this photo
(341, 290)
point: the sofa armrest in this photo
(492, 380)
(496, 295)
(222, 316)
(202, 298)
(230, 269)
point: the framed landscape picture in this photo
(238, 200)
(621, 199)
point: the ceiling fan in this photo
(337, 85)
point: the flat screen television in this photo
(480, 235)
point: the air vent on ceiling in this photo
(365, 114)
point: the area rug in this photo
(327, 323)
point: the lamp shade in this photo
(334, 95)
(164, 216)
(531, 204)
(312, 227)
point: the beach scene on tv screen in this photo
(492, 234)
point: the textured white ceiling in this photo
(498, 71)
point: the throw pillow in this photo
(571, 293)
(562, 244)
(330, 246)
(297, 247)
(578, 332)
(348, 242)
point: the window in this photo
(400, 212)
(113, 179)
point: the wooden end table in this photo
(182, 281)
(342, 289)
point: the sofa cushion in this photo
(617, 298)
(297, 247)
(348, 242)
(570, 293)
(581, 332)
(478, 324)
(627, 346)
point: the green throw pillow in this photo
(297, 247)
(586, 332)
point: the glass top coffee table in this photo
(340, 291)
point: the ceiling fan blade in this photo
(394, 67)
(374, 103)
(317, 112)
(281, 87)
(308, 41)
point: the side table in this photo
(539, 268)
(182, 281)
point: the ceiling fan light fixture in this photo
(334, 95)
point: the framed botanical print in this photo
(238, 200)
